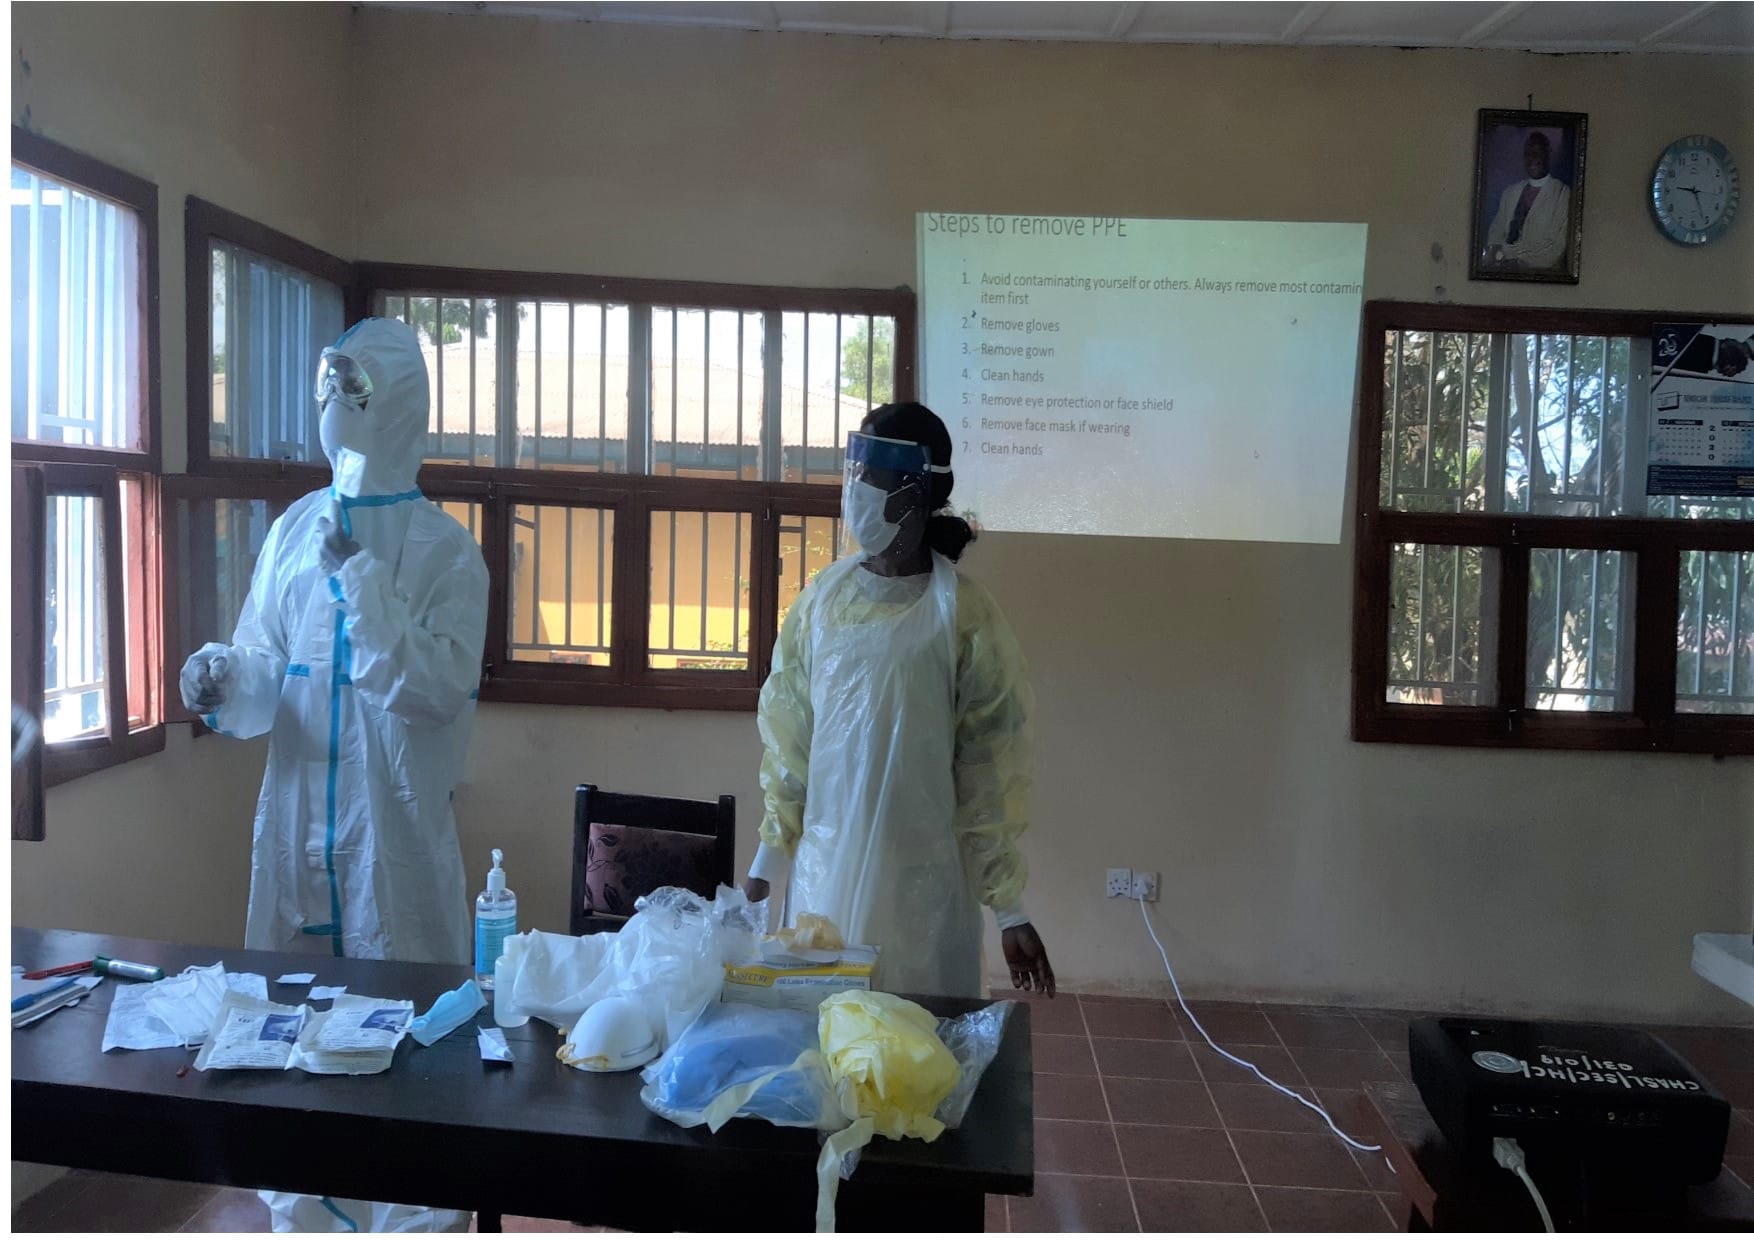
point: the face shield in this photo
(887, 480)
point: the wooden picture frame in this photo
(1526, 219)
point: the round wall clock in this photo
(1695, 190)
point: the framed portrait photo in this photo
(1528, 196)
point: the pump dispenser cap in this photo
(496, 876)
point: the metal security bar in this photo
(76, 324)
(1714, 668)
(700, 580)
(807, 546)
(562, 568)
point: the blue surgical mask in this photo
(448, 1012)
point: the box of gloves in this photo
(800, 967)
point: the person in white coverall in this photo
(358, 652)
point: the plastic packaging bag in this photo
(669, 958)
(739, 1061)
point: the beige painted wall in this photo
(1193, 696)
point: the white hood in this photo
(390, 432)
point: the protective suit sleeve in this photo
(992, 762)
(256, 659)
(420, 666)
(786, 720)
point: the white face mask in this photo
(862, 509)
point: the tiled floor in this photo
(1139, 1125)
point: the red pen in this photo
(62, 970)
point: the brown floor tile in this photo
(1376, 1170)
(1299, 1029)
(1163, 1061)
(1263, 1109)
(1057, 1015)
(1069, 1097)
(1741, 1135)
(1323, 1210)
(1743, 1167)
(1157, 1153)
(1067, 1056)
(1345, 1069)
(516, 1222)
(132, 1203)
(37, 1212)
(1398, 1207)
(1297, 1160)
(1150, 1000)
(231, 1209)
(1131, 1020)
(1737, 1086)
(1233, 1025)
(1168, 1206)
(1067, 1147)
(1074, 1203)
(1275, 1061)
(997, 1218)
(1138, 1100)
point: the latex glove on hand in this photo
(203, 678)
(1028, 960)
(335, 547)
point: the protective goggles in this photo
(887, 463)
(340, 375)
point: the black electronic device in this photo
(1610, 1111)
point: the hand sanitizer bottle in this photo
(496, 918)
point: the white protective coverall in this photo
(364, 678)
(896, 773)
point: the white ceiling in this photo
(1599, 26)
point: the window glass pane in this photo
(1442, 602)
(807, 546)
(458, 340)
(1554, 425)
(76, 362)
(700, 590)
(219, 541)
(572, 387)
(1714, 664)
(834, 369)
(270, 323)
(76, 672)
(1580, 629)
(707, 390)
(563, 570)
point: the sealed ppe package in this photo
(253, 1033)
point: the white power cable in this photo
(1289, 1093)
(1507, 1153)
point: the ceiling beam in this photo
(1493, 24)
(1664, 32)
(1125, 19)
(1299, 25)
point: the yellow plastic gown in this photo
(878, 801)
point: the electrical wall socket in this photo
(1132, 885)
(1120, 884)
(1145, 885)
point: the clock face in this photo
(1695, 190)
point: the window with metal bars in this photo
(1515, 583)
(648, 449)
(85, 454)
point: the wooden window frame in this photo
(203, 224)
(633, 498)
(1653, 724)
(134, 633)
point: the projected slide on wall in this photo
(1152, 378)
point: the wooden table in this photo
(1444, 1194)
(441, 1128)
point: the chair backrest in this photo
(715, 819)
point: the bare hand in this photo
(1028, 960)
(756, 889)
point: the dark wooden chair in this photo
(716, 820)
